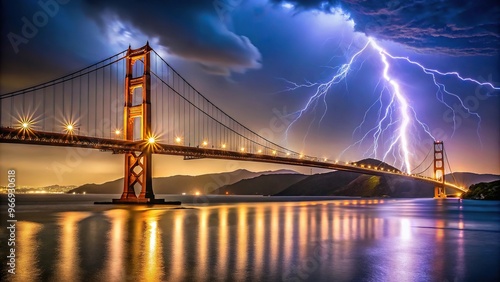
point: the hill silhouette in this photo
(484, 191)
(289, 183)
(341, 183)
(179, 184)
(267, 184)
(468, 178)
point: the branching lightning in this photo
(323, 88)
(397, 117)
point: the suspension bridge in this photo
(134, 103)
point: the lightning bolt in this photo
(441, 88)
(397, 116)
(322, 89)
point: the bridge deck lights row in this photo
(70, 127)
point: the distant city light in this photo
(118, 132)
(205, 143)
(223, 146)
(197, 193)
(242, 149)
(259, 151)
(178, 140)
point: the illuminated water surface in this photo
(341, 240)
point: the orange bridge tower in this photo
(439, 189)
(138, 165)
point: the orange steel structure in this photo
(439, 189)
(138, 165)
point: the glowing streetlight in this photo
(274, 153)
(287, 154)
(223, 146)
(25, 123)
(205, 143)
(118, 131)
(242, 149)
(69, 127)
(259, 151)
(151, 140)
(178, 140)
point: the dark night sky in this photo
(238, 52)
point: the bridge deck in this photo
(10, 135)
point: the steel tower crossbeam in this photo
(138, 165)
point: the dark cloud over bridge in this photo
(450, 27)
(194, 30)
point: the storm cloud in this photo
(451, 27)
(195, 30)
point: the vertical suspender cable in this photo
(44, 111)
(88, 103)
(95, 103)
(78, 101)
(101, 130)
(54, 108)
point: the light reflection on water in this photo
(116, 236)
(344, 240)
(69, 245)
(27, 251)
